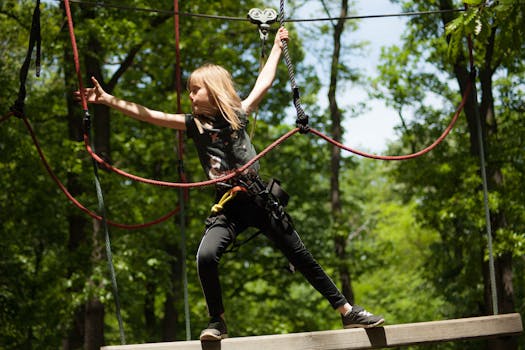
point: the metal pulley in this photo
(263, 19)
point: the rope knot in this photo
(302, 124)
(86, 123)
(17, 109)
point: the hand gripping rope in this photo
(302, 127)
(302, 118)
(108, 166)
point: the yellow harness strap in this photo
(226, 198)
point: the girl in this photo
(218, 127)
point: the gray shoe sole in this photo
(210, 336)
(357, 325)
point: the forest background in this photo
(406, 239)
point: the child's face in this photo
(200, 100)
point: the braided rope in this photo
(302, 118)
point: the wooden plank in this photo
(350, 339)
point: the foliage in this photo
(413, 227)
(446, 184)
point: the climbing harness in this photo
(270, 197)
(302, 126)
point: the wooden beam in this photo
(349, 339)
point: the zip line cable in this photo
(302, 123)
(243, 19)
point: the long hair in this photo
(221, 90)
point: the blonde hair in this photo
(221, 90)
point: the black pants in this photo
(221, 230)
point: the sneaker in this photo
(215, 331)
(360, 318)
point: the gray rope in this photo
(182, 222)
(302, 118)
(492, 271)
(109, 255)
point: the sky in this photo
(371, 130)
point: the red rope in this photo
(178, 81)
(138, 178)
(408, 156)
(7, 116)
(76, 202)
(226, 177)
(75, 55)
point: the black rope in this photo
(302, 118)
(34, 39)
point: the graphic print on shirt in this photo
(221, 149)
(215, 167)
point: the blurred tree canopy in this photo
(414, 230)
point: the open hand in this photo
(93, 95)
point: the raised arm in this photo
(265, 79)
(97, 95)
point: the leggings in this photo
(222, 229)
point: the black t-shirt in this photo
(220, 148)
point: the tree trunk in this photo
(77, 239)
(94, 327)
(335, 161)
(171, 312)
(485, 112)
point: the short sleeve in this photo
(191, 127)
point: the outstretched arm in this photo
(97, 95)
(265, 79)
